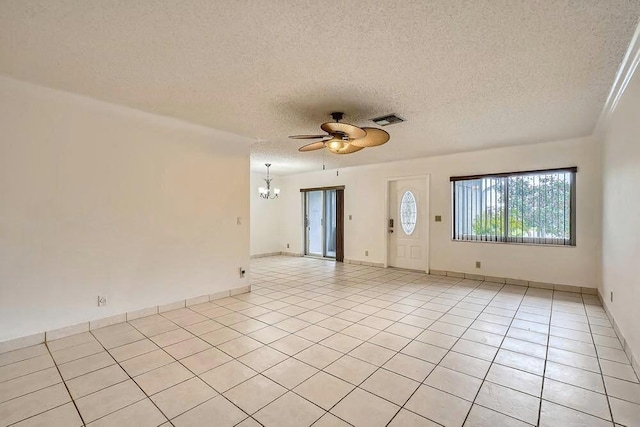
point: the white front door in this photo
(408, 227)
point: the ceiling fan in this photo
(343, 138)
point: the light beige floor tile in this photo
(576, 398)
(162, 378)
(323, 389)
(470, 348)
(109, 400)
(290, 410)
(483, 417)
(483, 337)
(466, 364)
(219, 409)
(141, 414)
(438, 339)
(187, 348)
(291, 344)
(318, 356)
(315, 333)
(360, 332)
(248, 326)
(335, 324)
(76, 352)
(342, 343)
(574, 376)
(240, 346)
(268, 335)
(204, 327)
(205, 360)
(263, 358)
(520, 361)
(361, 408)
(168, 338)
(249, 422)
(290, 373)
(330, 420)
(146, 362)
(32, 404)
(25, 367)
(625, 413)
(515, 379)
(132, 350)
(116, 340)
(70, 341)
(509, 402)
(623, 389)
(621, 371)
(65, 415)
(454, 382)
(182, 397)
(406, 418)
(391, 386)
(410, 367)
(424, 351)
(390, 341)
(85, 365)
(351, 369)
(587, 349)
(96, 380)
(573, 359)
(372, 353)
(220, 336)
(552, 415)
(29, 383)
(22, 354)
(227, 375)
(255, 393)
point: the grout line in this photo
(65, 385)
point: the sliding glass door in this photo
(320, 223)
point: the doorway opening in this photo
(323, 222)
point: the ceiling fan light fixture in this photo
(336, 144)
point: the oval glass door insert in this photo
(408, 212)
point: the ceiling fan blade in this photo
(313, 146)
(307, 136)
(350, 148)
(373, 138)
(351, 131)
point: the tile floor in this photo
(325, 344)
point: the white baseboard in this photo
(633, 358)
(517, 282)
(41, 337)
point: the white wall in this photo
(265, 217)
(621, 214)
(365, 201)
(100, 199)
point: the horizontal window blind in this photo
(532, 207)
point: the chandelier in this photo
(265, 193)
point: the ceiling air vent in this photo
(389, 119)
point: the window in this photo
(408, 212)
(536, 207)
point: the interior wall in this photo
(621, 214)
(97, 199)
(367, 231)
(265, 217)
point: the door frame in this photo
(427, 202)
(339, 189)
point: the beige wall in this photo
(265, 217)
(365, 201)
(621, 215)
(97, 199)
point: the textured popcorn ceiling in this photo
(466, 75)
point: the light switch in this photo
(238, 220)
(438, 218)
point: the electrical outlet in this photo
(242, 272)
(478, 264)
(611, 296)
(366, 253)
(287, 246)
(350, 217)
(102, 301)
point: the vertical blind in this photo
(533, 207)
